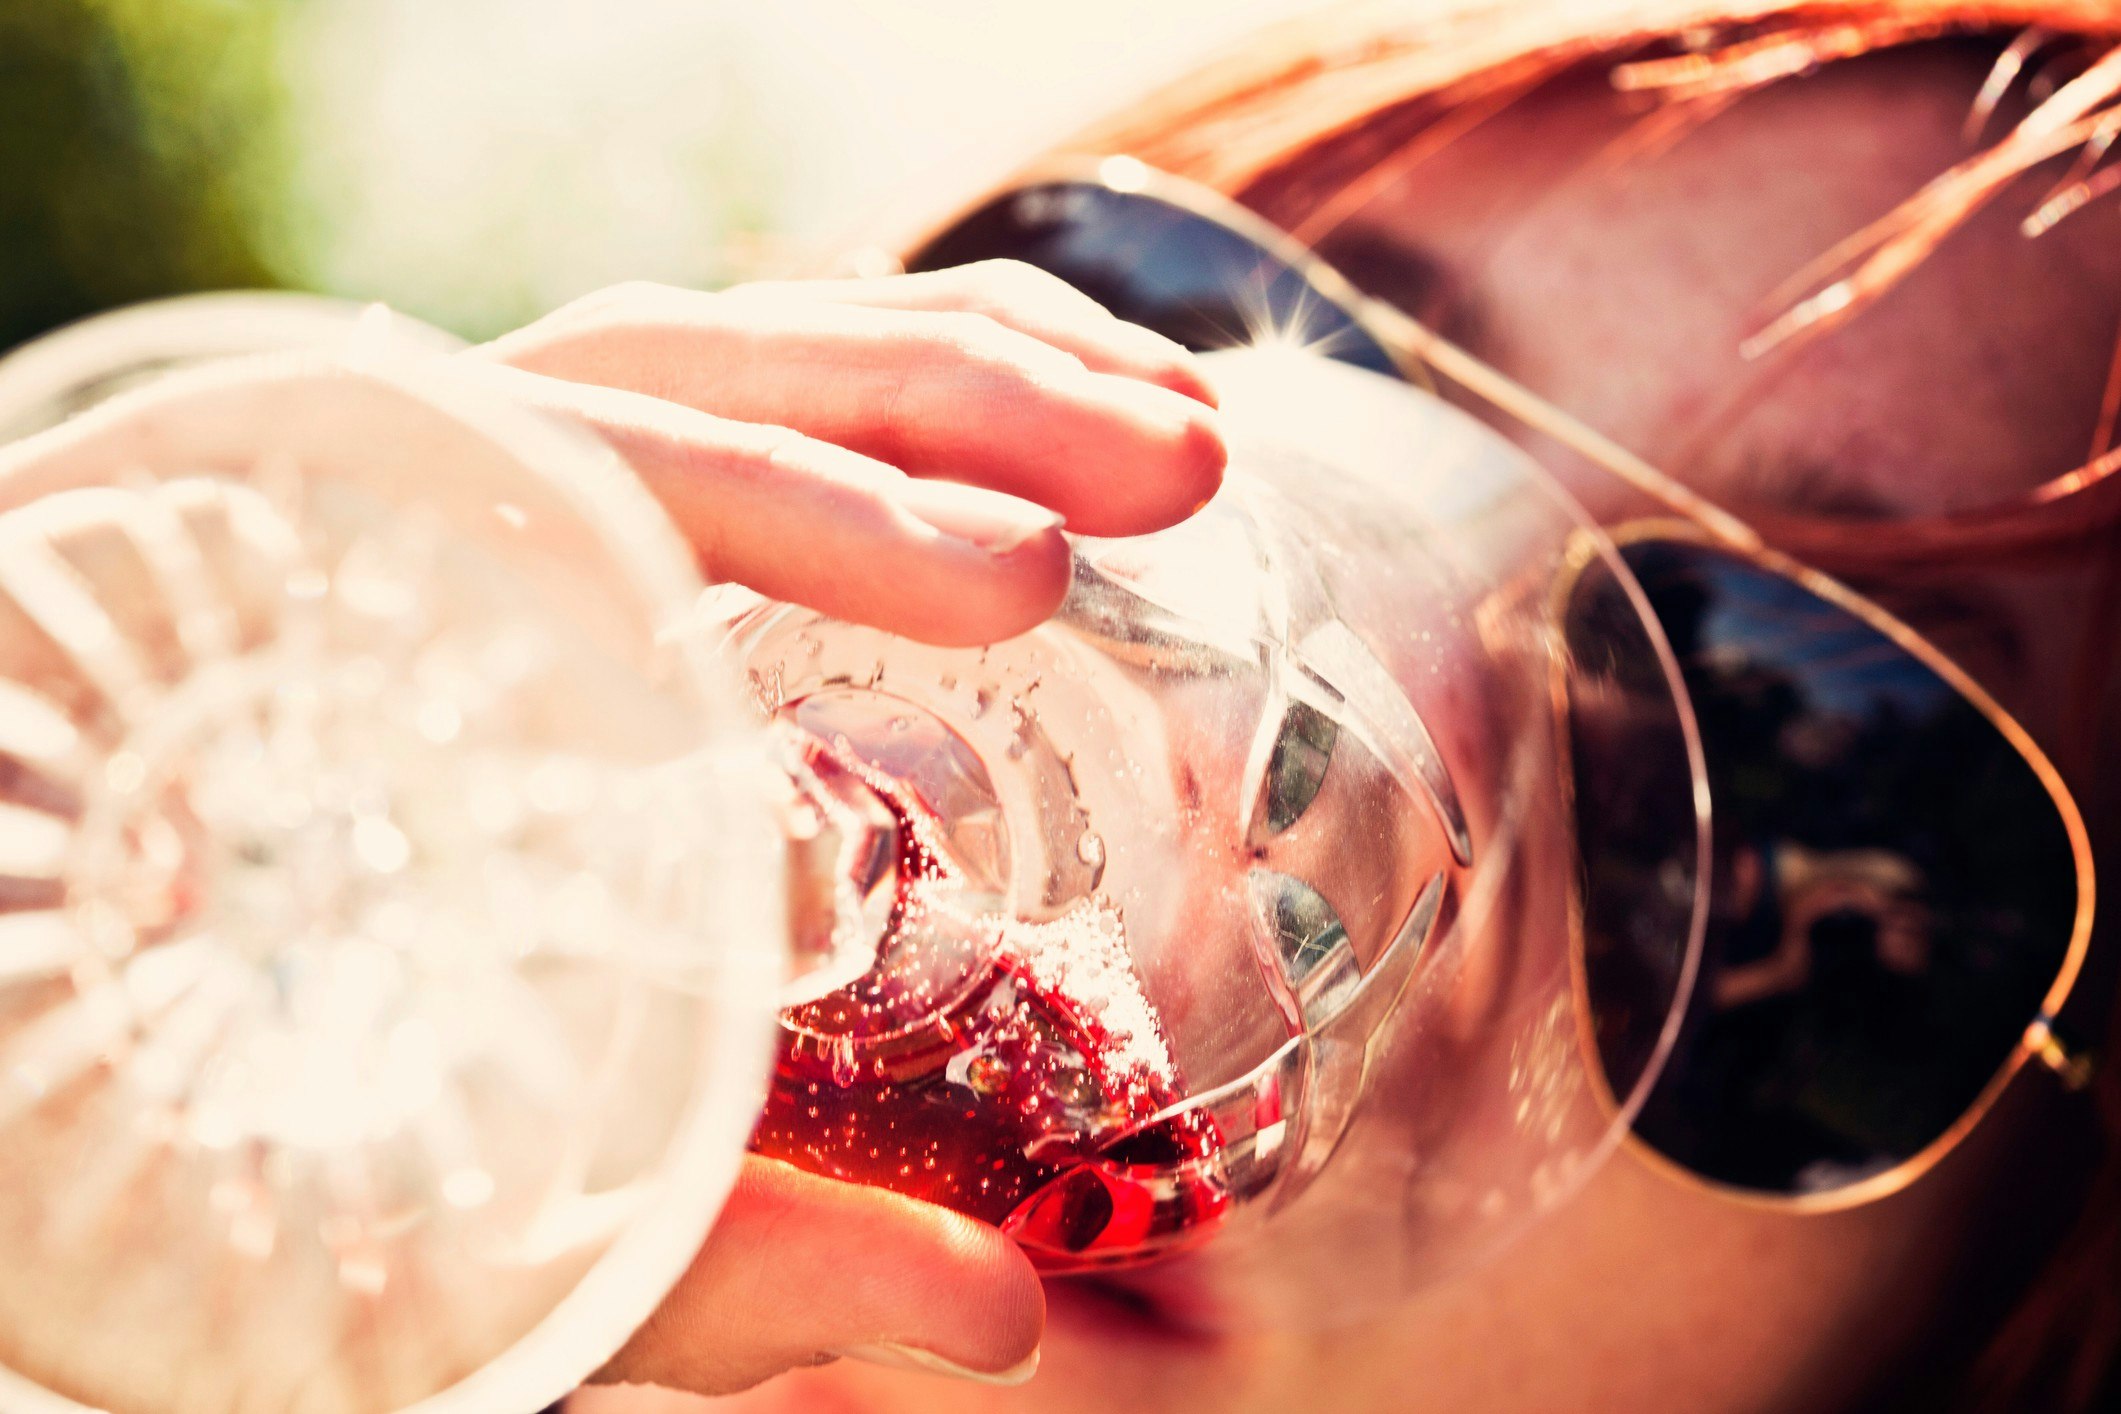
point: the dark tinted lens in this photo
(1185, 275)
(1894, 893)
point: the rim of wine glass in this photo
(76, 365)
(1585, 546)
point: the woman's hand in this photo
(800, 1270)
(899, 451)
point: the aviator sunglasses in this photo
(1901, 888)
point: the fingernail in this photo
(907, 1357)
(1173, 415)
(995, 522)
(1182, 371)
(1196, 452)
(1199, 386)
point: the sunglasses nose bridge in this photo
(2073, 1068)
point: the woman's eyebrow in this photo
(1789, 483)
(1972, 625)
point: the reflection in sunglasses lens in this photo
(1189, 278)
(1894, 886)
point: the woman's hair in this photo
(1316, 116)
(1376, 81)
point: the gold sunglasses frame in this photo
(1425, 357)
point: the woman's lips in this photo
(1102, 1311)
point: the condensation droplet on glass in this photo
(987, 1074)
(468, 1188)
(440, 720)
(364, 676)
(125, 772)
(843, 1063)
(253, 1235)
(380, 845)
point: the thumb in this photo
(800, 1269)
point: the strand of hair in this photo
(2009, 64)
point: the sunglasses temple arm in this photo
(1410, 341)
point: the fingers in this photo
(947, 395)
(804, 521)
(800, 1269)
(1024, 298)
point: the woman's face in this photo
(1622, 290)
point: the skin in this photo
(1624, 298)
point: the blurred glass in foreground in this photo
(383, 875)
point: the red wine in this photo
(1032, 1099)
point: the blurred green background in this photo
(139, 153)
(476, 162)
